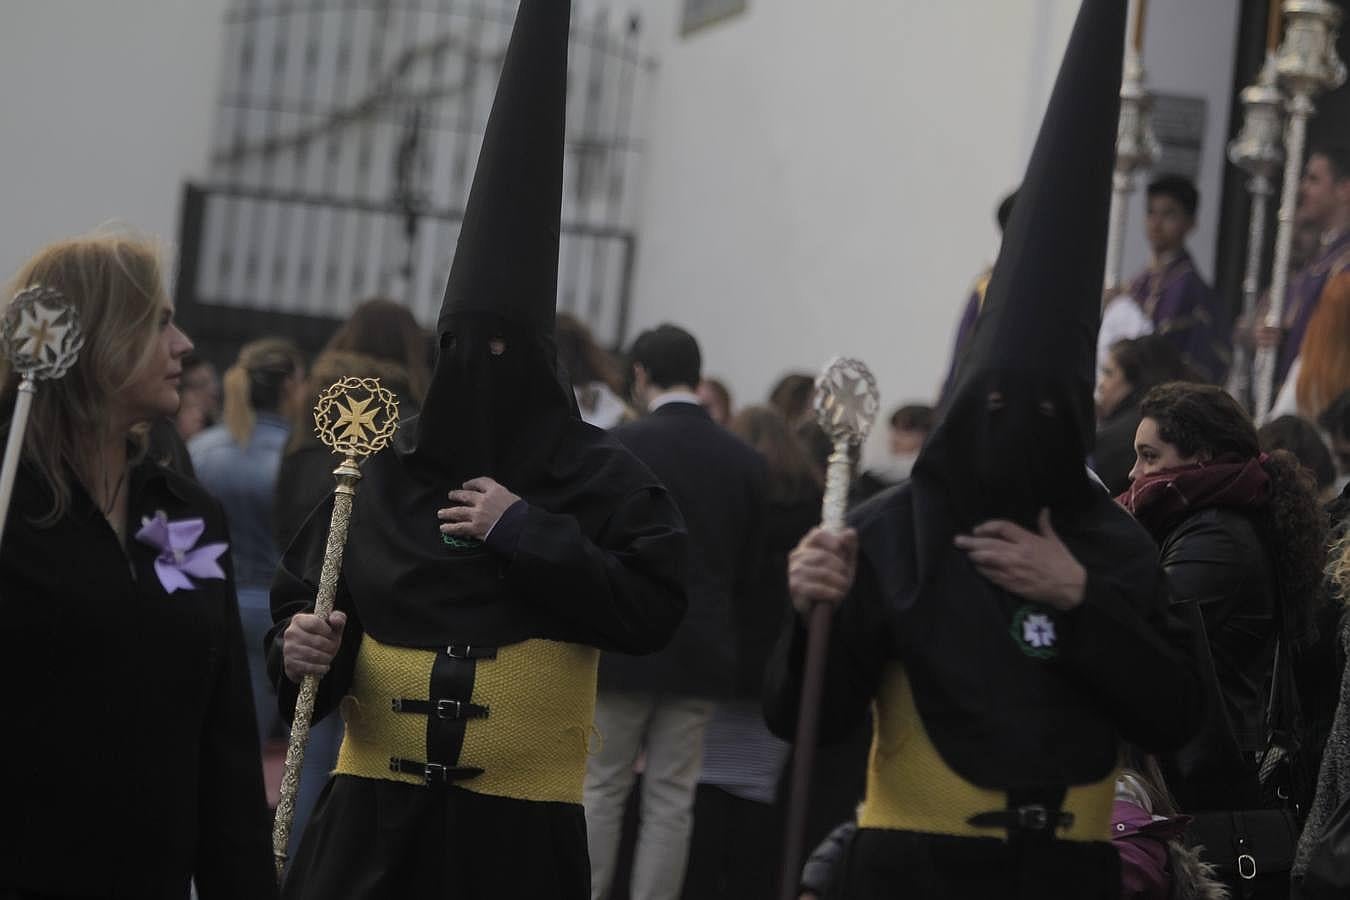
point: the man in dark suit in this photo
(662, 703)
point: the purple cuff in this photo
(503, 537)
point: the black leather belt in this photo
(1033, 817)
(434, 774)
(442, 708)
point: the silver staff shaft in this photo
(837, 478)
(1136, 149)
(1122, 187)
(23, 403)
(1240, 379)
(1263, 373)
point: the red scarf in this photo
(1162, 500)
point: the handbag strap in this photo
(1284, 713)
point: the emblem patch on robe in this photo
(459, 543)
(1033, 628)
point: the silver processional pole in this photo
(1259, 151)
(1306, 64)
(1136, 147)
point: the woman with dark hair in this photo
(237, 461)
(716, 399)
(386, 330)
(593, 373)
(131, 764)
(792, 396)
(1242, 541)
(1301, 438)
(1132, 366)
(734, 847)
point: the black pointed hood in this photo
(506, 262)
(1017, 427)
(501, 414)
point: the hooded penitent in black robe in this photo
(984, 702)
(466, 675)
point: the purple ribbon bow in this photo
(178, 558)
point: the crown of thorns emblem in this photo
(356, 416)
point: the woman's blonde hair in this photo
(1338, 568)
(116, 286)
(255, 383)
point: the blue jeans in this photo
(255, 612)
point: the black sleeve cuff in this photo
(504, 537)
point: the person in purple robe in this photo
(1324, 203)
(1171, 293)
(966, 327)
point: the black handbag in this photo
(1252, 849)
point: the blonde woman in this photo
(1319, 865)
(237, 461)
(130, 765)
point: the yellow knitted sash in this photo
(531, 746)
(910, 788)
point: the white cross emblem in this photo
(1038, 631)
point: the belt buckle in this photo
(1033, 817)
(448, 709)
(459, 651)
(434, 773)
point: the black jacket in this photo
(760, 613)
(718, 482)
(1221, 572)
(304, 481)
(1113, 456)
(132, 762)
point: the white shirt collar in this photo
(672, 397)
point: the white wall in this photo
(821, 177)
(106, 109)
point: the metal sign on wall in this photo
(699, 13)
(345, 141)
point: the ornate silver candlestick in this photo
(40, 336)
(1259, 151)
(846, 404)
(1306, 63)
(1136, 148)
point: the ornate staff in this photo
(41, 337)
(355, 417)
(1259, 151)
(1306, 63)
(846, 404)
(1136, 147)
